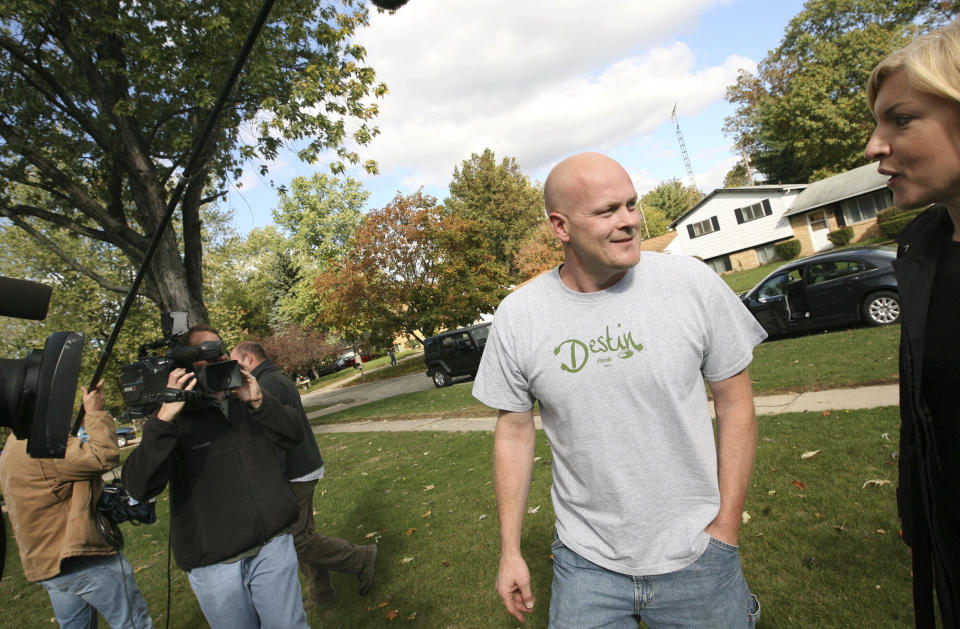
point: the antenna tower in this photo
(683, 148)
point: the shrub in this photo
(841, 237)
(892, 220)
(788, 249)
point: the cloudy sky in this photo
(542, 79)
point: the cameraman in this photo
(230, 506)
(51, 503)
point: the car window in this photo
(820, 272)
(480, 334)
(777, 285)
(447, 342)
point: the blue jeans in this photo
(259, 591)
(105, 584)
(710, 593)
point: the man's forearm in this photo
(513, 447)
(736, 448)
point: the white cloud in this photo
(532, 80)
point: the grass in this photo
(842, 358)
(820, 549)
(837, 359)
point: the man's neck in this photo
(582, 282)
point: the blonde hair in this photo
(930, 63)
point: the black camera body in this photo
(37, 392)
(144, 383)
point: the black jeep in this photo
(455, 353)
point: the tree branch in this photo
(56, 95)
(13, 212)
(67, 259)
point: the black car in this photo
(455, 353)
(826, 290)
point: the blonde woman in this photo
(915, 97)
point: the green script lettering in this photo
(574, 366)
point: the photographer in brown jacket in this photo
(52, 504)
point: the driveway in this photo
(339, 399)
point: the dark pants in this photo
(319, 554)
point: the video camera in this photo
(144, 383)
(37, 392)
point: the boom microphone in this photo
(24, 300)
(389, 5)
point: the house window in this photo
(766, 254)
(866, 207)
(695, 230)
(753, 212)
(720, 264)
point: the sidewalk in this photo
(815, 401)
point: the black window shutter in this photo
(841, 222)
(716, 223)
(690, 231)
(739, 213)
(767, 210)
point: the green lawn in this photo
(837, 359)
(820, 549)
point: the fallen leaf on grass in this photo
(406, 560)
(412, 616)
(392, 614)
(876, 481)
(410, 532)
(445, 564)
(825, 413)
(428, 488)
(809, 454)
(881, 531)
(483, 516)
(533, 509)
(369, 535)
(427, 514)
(745, 517)
(839, 527)
(799, 485)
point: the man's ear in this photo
(559, 224)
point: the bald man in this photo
(615, 346)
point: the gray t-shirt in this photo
(619, 377)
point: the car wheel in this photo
(121, 441)
(882, 308)
(441, 378)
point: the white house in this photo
(735, 228)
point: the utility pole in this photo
(683, 148)
(746, 164)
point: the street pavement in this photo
(814, 401)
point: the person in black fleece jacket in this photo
(230, 506)
(318, 554)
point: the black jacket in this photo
(922, 485)
(227, 489)
(304, 457)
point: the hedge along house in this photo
(733, 229)
(849, 199)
